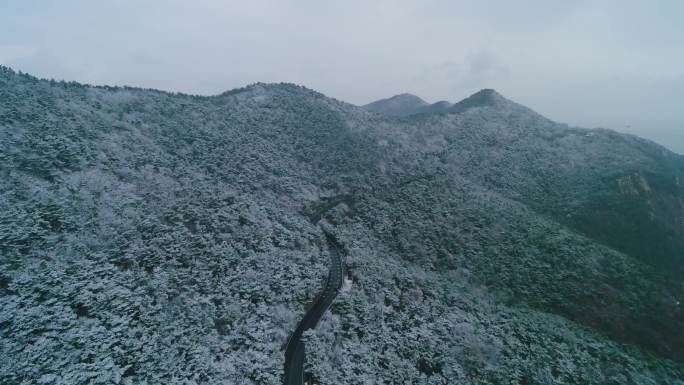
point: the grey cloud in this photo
(479, 70)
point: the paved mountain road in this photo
(294, 351)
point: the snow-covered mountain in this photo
(404, 105)
(150, 237)
(597, 182)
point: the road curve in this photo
(294, 351)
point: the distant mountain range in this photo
(151, 237)
(403, 105)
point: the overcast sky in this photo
(615, 64)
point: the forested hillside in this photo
(150, 237)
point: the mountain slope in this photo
(164, 238)
(618, 189)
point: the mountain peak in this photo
(398, 105)
(487, 93)
(408, 97)
(404, 105)
(486, 97)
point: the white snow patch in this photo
(346, 285)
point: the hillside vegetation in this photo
(150, 237)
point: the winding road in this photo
(294, 351)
